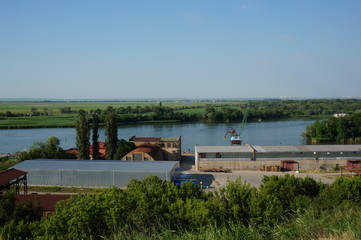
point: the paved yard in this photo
(254, 178)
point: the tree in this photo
(123, 148)
(95, 136)
(52, 148)
(111, 133)
(82, 136)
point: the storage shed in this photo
(289, 157)
(93, 173)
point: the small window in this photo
(146, 158)
(128, 158)
(202, 155)
(169, 145)
(218, 155)
(174, 145)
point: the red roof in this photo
(45, 201)
(9, 175)
(154, 151)
(102, 148)
(101, 145)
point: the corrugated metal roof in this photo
(205, 149)
(98, 165)
(145, 139)
(335, 148)
(9, 175)
(170, 139)
(282, 148)
(154, 139)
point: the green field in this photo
(39, 121)
(25, 107)
(58, 119)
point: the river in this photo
(255, 133)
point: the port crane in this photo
(236, 137)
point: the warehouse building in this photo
(95, 173)
(302, 157)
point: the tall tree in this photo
(111, 133)
(82, 136)
(95, 136)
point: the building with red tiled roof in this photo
(170, 146)
(102, 148)
(145, 153)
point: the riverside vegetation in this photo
(64, 114)
(345, 129)
(283, 207)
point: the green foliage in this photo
(17, 222)
(238, 198)
(335, 129)
(111, 133)
(88, 216)
(50, 149)
(278, 196)
(123, 148)
(19, 230)
(7, 207)
(331, 224)
(95, 136)
(284, 207)
(6, 162)
(343, 191)
(82, 136)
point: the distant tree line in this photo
(265, 109)
(156, 209)
(261, 109)
(336, 129)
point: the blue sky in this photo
(180, 49)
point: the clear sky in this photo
(179, 48)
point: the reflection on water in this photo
(257, 133)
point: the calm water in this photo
(259, 133)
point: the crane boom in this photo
(236, 137)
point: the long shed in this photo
(93, 173)
(291, 157)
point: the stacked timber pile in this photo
(355, 170)
(271, 168)
(224, 170)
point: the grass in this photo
(39, 121)
(335, 224)
(46, 189)
(68, 120)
